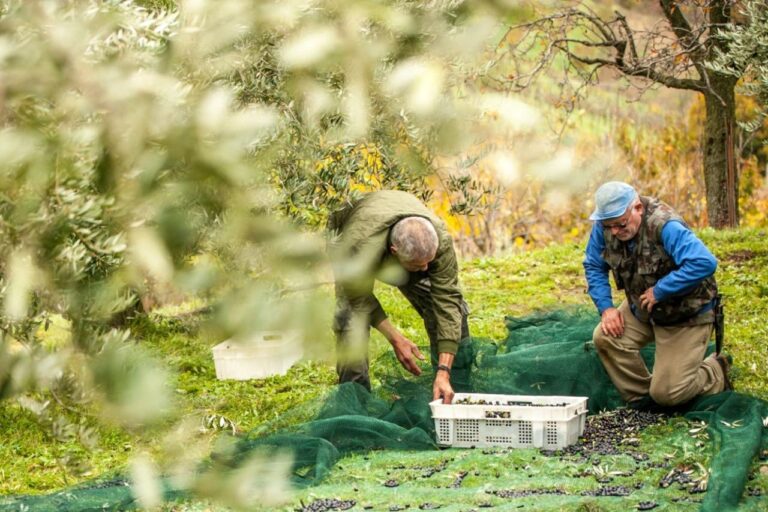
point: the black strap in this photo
(719, 323)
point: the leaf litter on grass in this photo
(625, 460)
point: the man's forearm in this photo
(695, 262)
(441, 388)
(598, 287)
(596, 271)
(387, 330)
(445, 359)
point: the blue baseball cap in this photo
(612, 199)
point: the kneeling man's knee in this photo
(603, 342)
(664, 394)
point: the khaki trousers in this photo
(680, 371)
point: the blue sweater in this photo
(694, 260)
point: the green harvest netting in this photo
(544, 354)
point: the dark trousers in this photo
(418, 292)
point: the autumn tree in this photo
(674, 51)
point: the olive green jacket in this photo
(359, 251)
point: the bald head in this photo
(414, 240)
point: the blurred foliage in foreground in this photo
(140, 147)
(158, 149)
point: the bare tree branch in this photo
(630, 35)
(667, 80)
(688, 38)
(678, 23)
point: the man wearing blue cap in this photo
(667, 275)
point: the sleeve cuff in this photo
(377, 316)
(603, 305)
(448, 346)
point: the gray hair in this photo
(633, 203)
(414, 238)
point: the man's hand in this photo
(442, 387)
(612, 322)
(407, 353)
(648, 300)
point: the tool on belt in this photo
(719, 323)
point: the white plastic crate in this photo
(262, 355)
(545, 423)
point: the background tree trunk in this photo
(720, 172)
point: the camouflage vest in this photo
(638, 270)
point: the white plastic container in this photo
(263, 355)
(545, 423)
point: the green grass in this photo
(38, 458)
(668, 446)
(743, 279)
